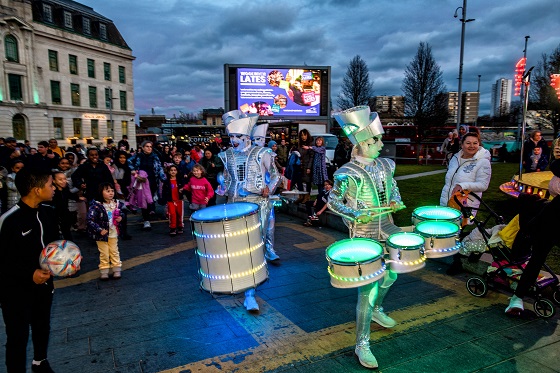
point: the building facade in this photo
(501, 97)
(66, 74)
(470, 104)
(391, 106)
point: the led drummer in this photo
(249, 175)
(364, 195)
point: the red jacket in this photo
(200, 188)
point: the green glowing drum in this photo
(436, 213)
(355, 262)
(230, 247)
(406, 252)
(442, 238)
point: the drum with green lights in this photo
(355, 262)
(441, 238)
(436, 213)
(406, 252)
(230, 247)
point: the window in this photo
(107, 70)
(95, 128)
(47, 13)
(68, 19)
(73, 62)
(122, 96)
(18, 127)
(90, 68)
(122, 76)
(16, 92)
(11, 46)
(53, 60)
(103, 31)
(92, 97)
(124, 127)
(55, 93)
(58, 128)
(86, 26)
(110, 129)
(75, 93)
(108, 98)
(77, 126)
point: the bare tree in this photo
(356, 87)
(423, 88)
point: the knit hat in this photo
(271, 143)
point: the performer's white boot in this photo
(250, 303)
(364, 312)
(378, 315)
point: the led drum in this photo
(230, 247)
(441, 238)
(355, 262)
(437, 213)
(406, 252)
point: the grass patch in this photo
(409, 169)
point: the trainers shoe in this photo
(172, 232)
(308, 223)
(250, 303)
(271, 256)
(381, 318)
(180, 230)
(515, 305)
(117, 275)
(365, 357)
(147, 225)
(44, 367)
(104, 277)
(314, 217)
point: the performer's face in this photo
(259, 141)
(238, 141)
(371, 147)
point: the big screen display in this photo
(279, 92)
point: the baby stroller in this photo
(507, 263)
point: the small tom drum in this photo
(437, 213)
(406, 252)
(230, 247)
(442, 238)
(355, 262)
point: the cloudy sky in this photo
(181, 45)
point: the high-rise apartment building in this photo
(391, 105)
(67, 74)
(501, 97)
(469, 112)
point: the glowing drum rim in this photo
(406, 252)
(442, 238)
(230, 247)
(436, 213)
(354, 262)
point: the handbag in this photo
(459, 201)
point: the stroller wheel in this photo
(477, 286)
(544, 308)
(556, 296)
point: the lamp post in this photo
(463, 20)
(111, 112)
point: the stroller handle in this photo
(467, 210)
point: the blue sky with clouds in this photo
(181, 45)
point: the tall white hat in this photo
(359, 124)
(260, 130)
(232, 115)
(242, 126)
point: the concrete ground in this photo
(156, 318)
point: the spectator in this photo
(503, 153)
(182, 166)
(13, 194)
(172, 194)
(89, 175)
(196, 153)
(213, 166)
(200, 188)
(319, 171)
(446, 146)
(282, 154)
(62, 195)
(535, 140)
(537, 161)
(166, 156)
(45, 160)
(316, 208)
(304, 142)
(123, 144)
(342, 152)
(53, 145)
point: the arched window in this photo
(18, 127)
(11, 45)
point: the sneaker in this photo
(365, 357)
(314, 217)
(308, 223)
(250, 303)
(180, 230)
(172, 232)
(381, 318)
(271, 256)
(147, 225)
(104, 276)
(515, 305)
(44, 367)
(117, 275)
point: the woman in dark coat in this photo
(213, 166)
(304, 142)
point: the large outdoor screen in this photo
(278, 91)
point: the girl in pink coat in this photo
(199, 187)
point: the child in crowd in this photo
(62, 195)
(200, 188)
(539, 161)
(182, 167)
(108, 160)
(13, 194)
(103, 220)
(319, 206)
(172, 193)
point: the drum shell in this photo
(407, 255)
(439, 246)
(419, 216)
(371, 270)
(227, 249)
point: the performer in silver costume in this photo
(249, 175)
(364, 195)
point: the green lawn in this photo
(408, 169)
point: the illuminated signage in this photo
(94, 116)
(555, 83)
(519, 71)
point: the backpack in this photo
(294, 163)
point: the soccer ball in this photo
(62, 258)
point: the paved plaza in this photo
(156, 319)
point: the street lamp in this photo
(463, 20)
(111, 112)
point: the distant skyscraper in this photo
(470, 103)
(501, 97)
(391, 105)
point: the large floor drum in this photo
(230, 247)
(436, 213)
(406, 252)
(442, 238)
